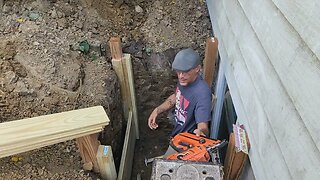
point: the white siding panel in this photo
(274, 80)
(294, 62)
(304, 16)
(252, 115)
(256, 163)
(278, 106)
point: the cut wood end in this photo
(211, 39)
(87, 166)
(115, 39)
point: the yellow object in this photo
(16, 158)
(20, 20)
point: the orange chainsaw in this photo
(195, 148)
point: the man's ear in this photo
(198, 68)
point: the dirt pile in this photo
(45, 67)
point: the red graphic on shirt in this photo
(181, 106)
(185, 103)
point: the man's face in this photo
(187, 77)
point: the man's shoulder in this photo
(203, 86)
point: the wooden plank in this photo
(31, 133)
(43, 144)
(304, 16)
(106, 163)
(115, 48)
(297, 67)
(133, 107)
(52, 137)
(88, 146)
(210, 60)
(234, 162)
(128, 150)
(116, 53)
(248, 108)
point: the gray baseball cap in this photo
(185, 60)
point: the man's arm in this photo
(166, 105)
(202, 129)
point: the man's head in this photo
(187, 65)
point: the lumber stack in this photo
(32, 133)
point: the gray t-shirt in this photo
(193, 105)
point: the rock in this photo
(60, 14)
(62, 23)
(11, 77)
(34, 16)
(22, 90)
(78, 24)
(6, 8)
(40, 171)
(198, 14)
(36, 43)
(54, 13)
(138, 9)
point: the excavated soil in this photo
(44, 70)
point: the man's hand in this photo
(152, 119)
(166, 105)
(202, 129)
(198, 132)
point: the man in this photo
(192, 98)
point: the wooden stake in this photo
(210, 60)
(106, 163)
(116, 53)
(115, 48)
(127, 151)
(129, 76)
(88, 146)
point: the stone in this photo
(138, 9)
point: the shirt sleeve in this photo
(203, 107)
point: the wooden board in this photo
(31, 133)
(127, 64)
(106, 163)
(88, 146)
(128, 150)
(117, 66)
(210, 59)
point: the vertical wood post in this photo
(210, 59)
(116, 54)
(129, 75)
(123, 67)
(88, 146)
(106, 163)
